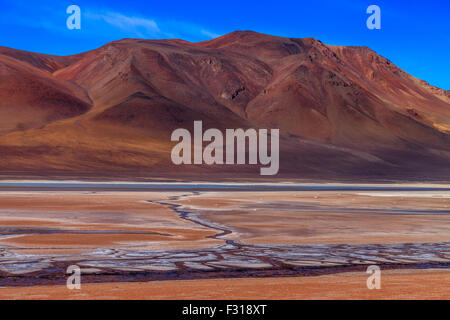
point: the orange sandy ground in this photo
(395, 284)
(97, 211)
(129, 211)
(253, 220)
(249, 214)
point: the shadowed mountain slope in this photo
(344, 113)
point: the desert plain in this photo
(304, 243)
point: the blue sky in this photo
(414, 34)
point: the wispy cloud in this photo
(209, 34)
(186, 30)
(133, 25)
(105, 22)
(139, 26)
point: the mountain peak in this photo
(133, 92)
(238, 36)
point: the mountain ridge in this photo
(330, 102)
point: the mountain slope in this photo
(343, 112)
(31, 97)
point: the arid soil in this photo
(398, 284)
(314, 242)
(329, 217)
(52, 220)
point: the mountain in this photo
(344, 113)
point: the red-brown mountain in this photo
(344, 113)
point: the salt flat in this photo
(189, 234)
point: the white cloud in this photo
(144, 27)
(102, 23)
(126, 23)
(209, 34)
(141, 27)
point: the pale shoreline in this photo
(193, 183)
